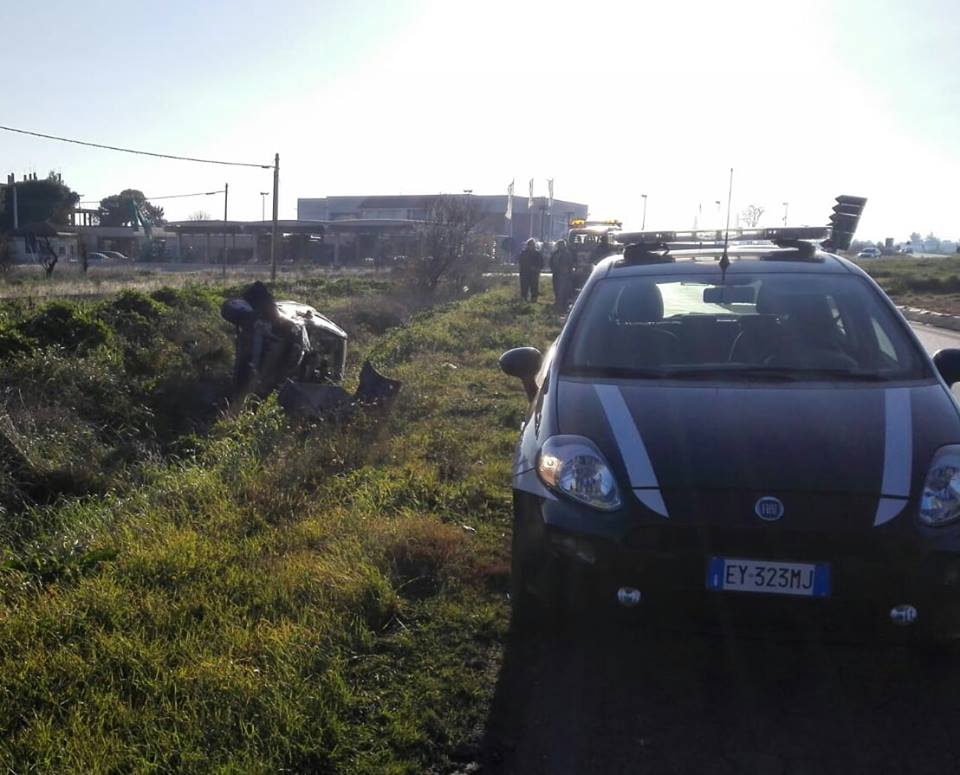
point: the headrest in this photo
(805, 308)
(639, 302)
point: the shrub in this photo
(13, 342)
(134, 316)
(65, 325)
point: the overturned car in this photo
(292, 347)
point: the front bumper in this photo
(667, 563)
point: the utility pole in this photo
(226, 192)
(16, 208)
(263, 195)
(643, 223)
(786, 209)
(276, 202)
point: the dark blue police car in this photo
(738, 423)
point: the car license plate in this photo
(769, 577)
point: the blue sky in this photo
(805, 99)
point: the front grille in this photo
(764, 541)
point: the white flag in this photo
(550, 193)
(530, 200)
(509, 213)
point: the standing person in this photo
(530, 261)
(561, 264)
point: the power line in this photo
(155, 198)
(183, 196)
(139, 153)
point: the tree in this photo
(120, 209)
(199, 215)
(38, 201)
(751, 215)
(6, 254)
(915, 237)
(452, 248)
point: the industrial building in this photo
(545, 220)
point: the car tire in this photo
(535, 595)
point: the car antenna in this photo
(725, 259)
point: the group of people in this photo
(563, 267)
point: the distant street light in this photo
(786, 209)
(263, 196)
(643, 223)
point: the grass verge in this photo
(928, 283)
(283, 597)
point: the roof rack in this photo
(648, 246)
(653, 247)
(787, 236)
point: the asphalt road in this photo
(936, 338)
(644, 696)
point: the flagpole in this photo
(509, 217)
(550, 210)
(530, 207)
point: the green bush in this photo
(134, 316)
(13, 342)
(66, 325)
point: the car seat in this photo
(806, 333)
(636, 340)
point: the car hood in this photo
(873, 440)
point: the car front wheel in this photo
(537, 593)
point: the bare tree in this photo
(46, 255)
(6, 254)
(750, 216)
(199, 215)
(453, 250)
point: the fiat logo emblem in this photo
(769, 509)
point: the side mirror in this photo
(523, 363)
(948, 364)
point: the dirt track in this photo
(616, 699)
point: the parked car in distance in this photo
(98, 257)
(869, 252)
(114, 254)
(906, 250)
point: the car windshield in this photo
(776, 326)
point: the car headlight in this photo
(940, 501)
(573, 466)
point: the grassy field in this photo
(929, 283)
(25, 281)
(186, 588)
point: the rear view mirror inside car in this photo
(730, 294)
